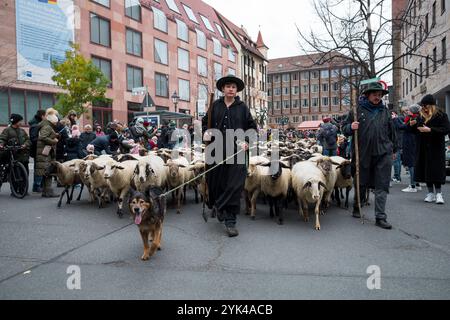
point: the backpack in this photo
(34, 135)
(330, 135)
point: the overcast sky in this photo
(275, 19)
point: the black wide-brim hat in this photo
(230, 79)
(373, 87)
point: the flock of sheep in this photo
(301, 174)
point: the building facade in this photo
(300, 90)
(421, 49)
(168, 46)
(252, 67)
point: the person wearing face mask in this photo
(377, 147)
(432, 126)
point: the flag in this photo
(49, 1)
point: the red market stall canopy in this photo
(310, 125)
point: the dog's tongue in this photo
(138, 219)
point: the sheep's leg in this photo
(184, 194)
(337, 197)
(253, 204)
(81, 191)
(122, 195)
(62, 195)
(342, 194)
(317, 212)
(196, 193)
(179, 194)
(305, 210)
(271, 205)
(144, 236)
(248, 204)
(347, 192)
(279, 210)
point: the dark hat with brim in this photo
(428, 100)
(230, 79)
(14, 118)
(373, 87)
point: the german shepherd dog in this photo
(147, 210)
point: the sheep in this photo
(94, 173)
(275, 185)
(325, 164)
(344, 179)
(79, 167)
(118, 176)
(252, 186)
(66, 177)
(149, 172)
(177, 175)
(198, 168)
(309, 186)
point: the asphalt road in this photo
(38, 243)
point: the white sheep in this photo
(329, 170)
(150, 172)
(94, 173)
(344, 179)
(252, 186)
(308, 183)
(178, 173)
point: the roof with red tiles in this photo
(260, 42)
(241, 35)
(198, 7)
(305, 62)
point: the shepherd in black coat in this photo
(226, 182)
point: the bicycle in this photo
(14, 173)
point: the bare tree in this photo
(362, 33)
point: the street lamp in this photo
(175, 99)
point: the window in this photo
(183, 88)
(159, 20)
(295, 76)
(202, 92)
(315, 88)
(134, 77)
(100, 31)
(335, 86)
(201, 39)
(207, 23)
(410, 82)
(102, 2)
(269, 92)
(433, 15)
(325, 87)
(305, 75)
(277, 78)
(305, 103)
(314, 74)
(172, 6)
(427, 67)
(286, 104)
(442, 7)
(182, 31)
(17, 102)
(324, 74)
(134, 42)
(231, 55)
(426, 25)
(160, 51)
(183, 59)
(217, 47)
(285, 91)
(434, 59)
(219, 27)
(269, 79)
(190, 13)
(47, 100)
(102, 112)
(305, 89)
(217, 71)
(403, 84)
(105, 66)
(162, 85)
(277, 91)
(286, 77)
(335, 101)
(295, 103)
(231, 71)
(132, 108)
(325, 101)
(133, 9)
(415, 78)
(407, 86)
(315, 102)
(444, 50)
(295, 90)
(202, 66)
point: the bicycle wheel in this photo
(18, 180)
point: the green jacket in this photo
(46, 137)
(19, 137)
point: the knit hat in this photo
(75, 131)
(52, 118)
(415, 108)
(428, 100)
(14, 118)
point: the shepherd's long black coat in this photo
(226, 182)
(430, 160)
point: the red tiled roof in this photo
(309, 125)
(240, 35)
(260, 42)
(198, 7)
(305, 62)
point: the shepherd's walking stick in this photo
(356, 142)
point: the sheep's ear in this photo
(182, 166)
(321, 184)
(307, 185)
(136, 170)
(100, 167)
(265, 164)
(120, 167)
(283, 165)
